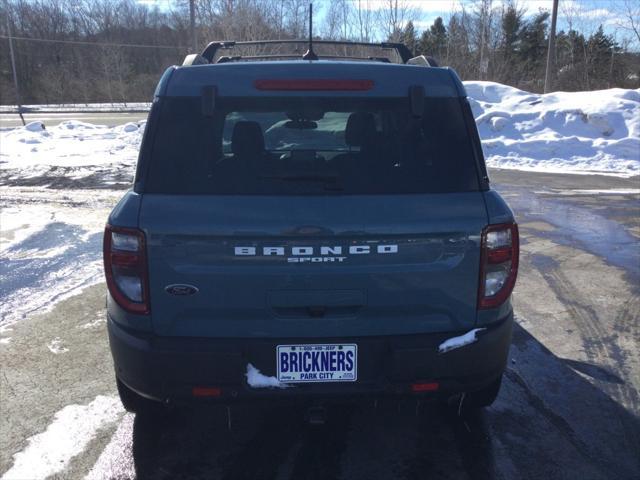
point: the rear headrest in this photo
(247, 139)
(361, 127)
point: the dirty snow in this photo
(461, 341)
(563, 132)
(118, 454)
(98, 322)
(70, 432)
(56, 346)
(256, 379)
(50, 246)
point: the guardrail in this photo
(78, 108)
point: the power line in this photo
(103, 44)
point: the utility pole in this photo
(13, 68)
(551, 52)
(481, 67)
(192, 26)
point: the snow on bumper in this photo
(459, 341)
(255, 379)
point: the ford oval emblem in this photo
(180, 289)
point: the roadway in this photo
(11, 120)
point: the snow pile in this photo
(565, 132)
(34, 126)
(77, 149)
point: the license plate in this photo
(317, 363)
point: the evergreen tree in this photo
(409, 37)
(434, 41)
(601, 49)
(532, 47)
(511, 25)
(570, 54)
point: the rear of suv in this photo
(309, 229)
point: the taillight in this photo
(314, 84)
(498, 264)
(125, 267)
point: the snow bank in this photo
(564, 132)
(69, 144)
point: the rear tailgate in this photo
(333, 266)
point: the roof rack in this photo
(209, 53)
(239, 58)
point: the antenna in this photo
(310, 55)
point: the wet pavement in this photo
(600, 216)
(569, 405)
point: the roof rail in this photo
(209, 53)
(424, 61)
(238, 58)
(194, 59)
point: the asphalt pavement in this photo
(569, 405)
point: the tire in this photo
(134, 403)
(484, 397)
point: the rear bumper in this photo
(167, 369)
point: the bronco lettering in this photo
(309, 251)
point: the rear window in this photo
(310, 146)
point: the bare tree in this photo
(339, 20)
(630, 11)
(365, 16)
(394, 15)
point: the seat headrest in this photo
(247, 139)
(361, 126)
